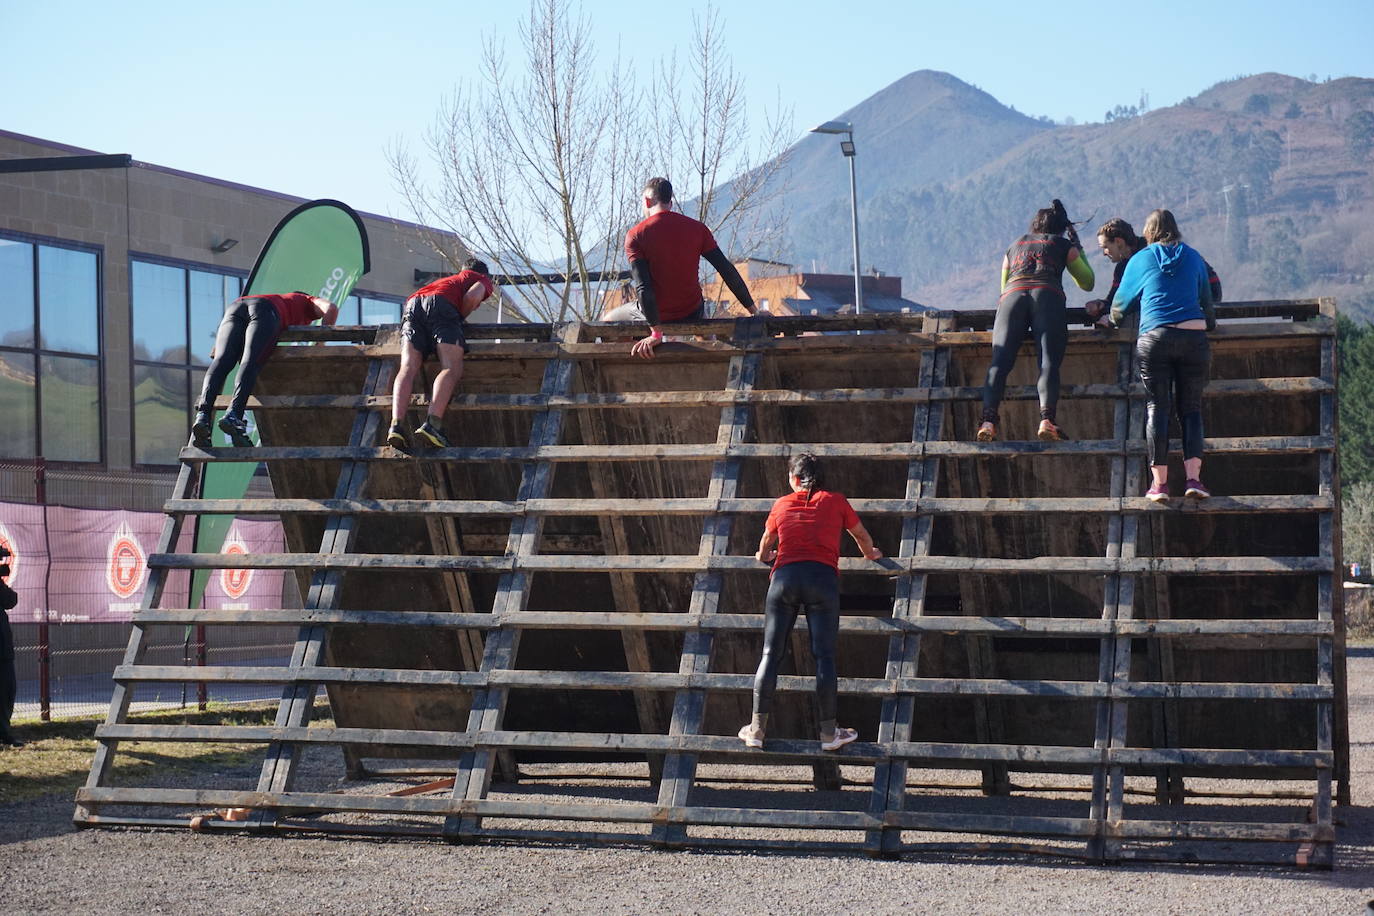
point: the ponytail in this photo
(806, 467)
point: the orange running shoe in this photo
(1048, 432)
(987, 432)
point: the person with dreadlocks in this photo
(802, 540)
(1033, 301)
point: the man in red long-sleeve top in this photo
(664, 249)
(432, 323)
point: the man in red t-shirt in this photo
(663, 250)
(247, 335)
(433, 323)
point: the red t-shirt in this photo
(810, 528)
(454, 288)
(672, 244)
(293, 308)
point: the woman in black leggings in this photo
(802, 540)
(1170, 283)
(1033, 301)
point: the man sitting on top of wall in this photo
(663, 250)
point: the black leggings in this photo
(1042, 313)
(814, 588)
(9, 684)
(1174, 365)
(246, 334)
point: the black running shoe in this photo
(431, 435)
(397, 437)
(236, 428)
(200, 430)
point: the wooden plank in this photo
(1196, 566)
(718, 745)
(617, 743)
(697, 506)
(925, 320)
(884, 451)
(602, 400)
(884, 626)
(666, 680)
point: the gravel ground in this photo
(48, 866)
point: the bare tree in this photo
(701, 143)
(1357, 524)
(549, 156)
(535, 161)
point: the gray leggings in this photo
(1041, 313)
(815, 589)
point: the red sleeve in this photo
(487, 285)
(774, 515)
(847, 513)
(708, 241)
(632, 250)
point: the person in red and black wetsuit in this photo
(802, 540)
(247, 335)
(432, 323)
(1119, 243)
(1033, 301)
(663, 250)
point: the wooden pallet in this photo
(584, 591)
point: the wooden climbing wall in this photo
(1047, 661)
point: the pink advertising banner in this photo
(91, 565)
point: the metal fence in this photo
(65, 670)
(65, 664)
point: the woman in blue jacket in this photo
(1168, 281)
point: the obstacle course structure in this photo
(1046, 661)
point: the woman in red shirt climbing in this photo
(802, 540)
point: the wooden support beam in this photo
(898, 712)
(188, 480)
(473, 778)
(689, 706)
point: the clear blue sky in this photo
(303, 97)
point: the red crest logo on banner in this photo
(126, 562)
(8, 543)
(235, 582)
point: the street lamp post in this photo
(847, 148)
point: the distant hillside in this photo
(949, 177)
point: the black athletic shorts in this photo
(430, 320)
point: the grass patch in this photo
(57, 756)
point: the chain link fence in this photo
(67, 646)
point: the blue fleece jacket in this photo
(1169, 283)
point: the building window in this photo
(50, 358)
(176, 312)
(368, 308)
